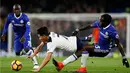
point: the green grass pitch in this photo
(94, 65)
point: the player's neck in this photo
(17, 16)
(49, 39)
(106, 26)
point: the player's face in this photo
(17, 12)
(43, 38)
(103, 24)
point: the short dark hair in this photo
(43, 31)
(16, 7)
(106, 18)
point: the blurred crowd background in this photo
(66, 6)
(69, 6)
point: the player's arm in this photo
(27, 32)
(86, 27)
(86, 38)
(44, 62)
(5, 28)
(114, 35)
(81, 29)
(124, 59)
(120, 47)
(37, 50)
(89, 26)
(50, 47)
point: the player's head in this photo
(17, 9)
(105, 20)
(43, 34)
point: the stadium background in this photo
(65, 25)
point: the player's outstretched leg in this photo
(84, 57)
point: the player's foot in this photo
(81, 70)
(35, 67)
(59, 65)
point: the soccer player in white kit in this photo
(54, 41)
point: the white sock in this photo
(84, 58)
(34, 60)
(70, 59)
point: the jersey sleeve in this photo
(50, 47)
(95, 24)
(6, 25)
(114, 35)
(27, 23)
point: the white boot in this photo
(35, 67)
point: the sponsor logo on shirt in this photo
(105, 36)
(19, 25)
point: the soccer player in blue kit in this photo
(21, 27)
(100, 49)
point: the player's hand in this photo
(23, 39)
(3, 37)
(30, 57)
(74, 33)
(36, 70)
(125, 62)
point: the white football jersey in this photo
(61, 42)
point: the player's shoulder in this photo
(53, 34)
(10, 15)
(24, 14)
(96, 22)
(112, 27)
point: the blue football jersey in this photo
(106, 35)
(21, 25)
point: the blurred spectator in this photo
(3, 45)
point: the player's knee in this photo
(78, 54)
(17, 53)
(26, 50)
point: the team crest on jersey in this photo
(106, 33)
(21, 21)
(12, 21)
